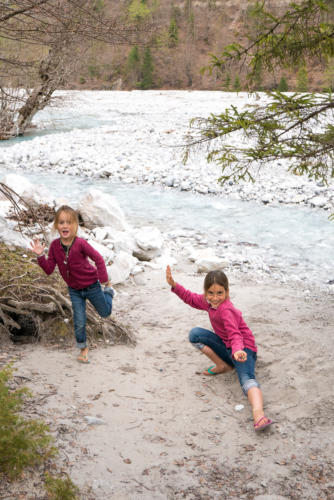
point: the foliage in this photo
(138, 11)
(227, 82)
(133, 66)
(283, 85)
(173, 36)
(147, 81)
(22, 442)
(329, 74)
(296, 128)
(236, 84)
(287, 127)
(302, 80)
(190, 18)
(133, 58)
(60, 489)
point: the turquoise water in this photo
(299, 241)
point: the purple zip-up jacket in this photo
(76, 270)
(227, 321)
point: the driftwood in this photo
(26, 215)
(25, 304)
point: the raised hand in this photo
(37, 247)
(169, 277)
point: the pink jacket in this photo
(76, 270)
(226, 321)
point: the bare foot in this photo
(217, 369)
(83, 356)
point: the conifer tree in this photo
(236, 84)
(302, 80)
(133, 66)
(147, 81)
(138, 11)
(295, 128)
(283, 85)
(173, 35)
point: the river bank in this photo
(167, 431)
(137, 137)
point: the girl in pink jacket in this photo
(71, 253)
(231, 344)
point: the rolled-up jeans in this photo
(200, 337)
(101, 300)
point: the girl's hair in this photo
(215, 277)
(70, 212)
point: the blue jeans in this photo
(101, 300)
(200, 337)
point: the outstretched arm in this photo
(192, 299)
(169, 277)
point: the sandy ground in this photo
(169, 432)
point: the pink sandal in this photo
(259, 427)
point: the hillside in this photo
(188, 32)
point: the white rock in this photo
(122, 240)
(185, 186)
(202, 189)
(196, 254)
(11, 237)
(204, 265)
(107, 254)
(165, 259)
(101, 209)
(149, 243)
(318, 201)
(121, 268)
(100, 233)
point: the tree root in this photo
(39, 309)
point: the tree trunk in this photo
(51, 76)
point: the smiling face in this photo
(215, 295)
(67, 225)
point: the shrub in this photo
(60, 489)
(22, 442)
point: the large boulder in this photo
(149, 243)
(121, 240)
(121, 268)
(101, 209)
(206, 260)
(107, 254)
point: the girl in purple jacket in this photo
(231, 344)
(70, 253)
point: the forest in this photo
(154, 45)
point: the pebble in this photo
(93, 420)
